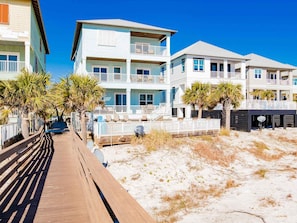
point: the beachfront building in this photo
(23, 42)
(205, 63)
(266, 74)
(130, 60)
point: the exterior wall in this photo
(102, 42)
(19, 21)
(37, 45)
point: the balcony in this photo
(110, 77)
(11, 66)
(220, 75)
(149, 79)
(134, 78)
(147, 49)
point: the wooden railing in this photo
(13, 158)
(107, 200)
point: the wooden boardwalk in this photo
(57, 179)
(62, 199)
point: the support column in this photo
(168, 98)
(290, 84)
(225, 69)
(188, 112)
(278, 77)
(243, 70)
(168, 72)
(27, 57)
(180, 113)
(168, 45)
(128, 71)
(128, 100)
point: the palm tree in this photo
(268, 95)
(257, 93)
(59, 98)
(84, 95)
(26, 94)
(199, 95)
(229, 95)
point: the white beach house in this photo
(205, 63)
(131, 61)
(23, 42)
(267, 74)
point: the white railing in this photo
(11, 66)
(172, 126)
(110, 77)
(7, 132)
(220, 74)
(147, 49)
(135, 109)
(149, 79)
(268, 105)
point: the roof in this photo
(115, 23)
(201, 48)
(255, 60)
(37, 11)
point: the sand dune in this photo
(244, 177)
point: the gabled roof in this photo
(255, 60)
(203, 49)
(134, 26)
(36, 7)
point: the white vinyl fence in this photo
(8, 131)
(174, 126)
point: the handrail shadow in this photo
(20, 203)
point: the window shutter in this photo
(3, 13)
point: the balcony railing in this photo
(110, 77)
(11, 66)
(147, 49)
(149, 79)
(220, 74)
(274, 82)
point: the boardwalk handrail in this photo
(107, 199)
(13, 157)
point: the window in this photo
(101, 73)
(117, 73)
(198, 64)
(183, 65)
(213, 67)
(143, 71)
(258, 73)
(4, 14)
(146, 99)
(163, 71)
(221, 67)
(294, 81)
(8, 62)
(171, 68)
(229, 67)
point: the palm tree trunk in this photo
(227, 108)
(25, 124)
(83, 127)
(200, 113)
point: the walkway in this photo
(62, 199)
(47, 189)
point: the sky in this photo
(264, 27)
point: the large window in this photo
(146, 99)
(198, 64)
(4, 14)
(8, 62)
(101, 73)
(258, 73)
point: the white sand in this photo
(201, 182)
